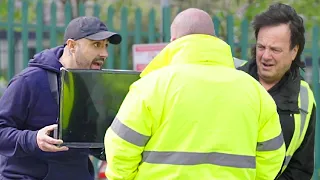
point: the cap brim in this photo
(112, 37)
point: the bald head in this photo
(191, 21)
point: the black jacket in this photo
(285, 93)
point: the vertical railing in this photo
(166, 21)
(111, 58)
(25, 32)
(67, 13)
(244, 39)
(39, 26)
(11, 39)
(96, 10)
(230, 34)
(216, 23)
(315, 83)
(53, 25)
(151, 27)
(137, 27)
(124, 44)
(81, 9)
(1, 73)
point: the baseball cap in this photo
(90, 27)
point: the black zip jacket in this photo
(285, 93)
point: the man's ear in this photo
(294, 52)
(71, 45)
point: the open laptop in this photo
(89, 102)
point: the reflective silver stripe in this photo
(304, 101)
(128, 134)
(271, 145)
(193, 158)
(304, 106)
(238, 62)
(287, 160)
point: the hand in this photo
(47, 143)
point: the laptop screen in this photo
(89, 102)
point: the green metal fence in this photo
(135, 27)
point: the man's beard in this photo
(82, 63)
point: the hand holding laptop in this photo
(47, 143)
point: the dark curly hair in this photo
(283, 14)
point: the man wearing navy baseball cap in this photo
(90, 28)
(29, 110)
(86, 39)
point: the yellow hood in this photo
(193, 49)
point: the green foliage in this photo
(18, 12)
(305, 8)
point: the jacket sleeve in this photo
(15, 103)
(270, 146)
(301, 165)
(127, 136)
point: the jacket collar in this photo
(286, 92)
(193, 49)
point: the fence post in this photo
(315, 83)
(39, 27)
(166, 23)
(67, 13)
(137, 27)
(216, 23)
(110, 61)
(1, 68)
(96, 10)
(152, 28)
(81, 9)
(25, 32)
(124, 43)
(10, 37)
(53, 26)
(244, 39)
(230, 33)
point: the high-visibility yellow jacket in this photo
(184, 119)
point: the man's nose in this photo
(104, 53)
(267, 54)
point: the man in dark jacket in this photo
(29, 111)
(275, 63)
